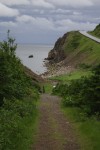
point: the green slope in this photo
(75, 49)
(96, 31)
(81, 50)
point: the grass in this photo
(96, 31)
(48, 87)
(80, 49)
(74, 75)
(88, 130)
(93, 34)
(30, 125)
(30, 132)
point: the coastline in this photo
(56, 69)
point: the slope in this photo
(96, 31)
(75, 49)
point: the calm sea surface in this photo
(39, 52)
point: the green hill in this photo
(75, 49)
(96, 31)
(79, 88)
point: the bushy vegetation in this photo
(87, 128)
(18, 98)
(83, 93)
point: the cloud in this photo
(68, 25)
(25, 19)
(46, 20)
(42, 3)
(62, 25)
(72, 3)
(60, 11)
(8, 24)
(15, 2)
(76, 13)
(37, 22)
(6, 11)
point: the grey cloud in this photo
(46, 20)
(6, 11)
(42, 3)
(15, 2)
(72, 3)
(8, 24)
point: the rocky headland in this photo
(71, 51)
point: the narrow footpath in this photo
(54, 130)
(90, 36)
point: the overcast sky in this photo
(43, 21)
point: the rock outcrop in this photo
(57, 54)
(74, 49)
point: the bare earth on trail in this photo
(54, 131)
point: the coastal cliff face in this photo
(74, 49)
(57, 54)
(63, 47)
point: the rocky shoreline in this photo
(58, 62)
(56, 69)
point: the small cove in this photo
(39, 52)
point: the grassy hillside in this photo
(80, 95)
(72, 76)
(81, 50)
(76, 49)
(96, 31)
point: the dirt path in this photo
(54, 131)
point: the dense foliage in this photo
(18, 98)
(83, 93)
(13, 81)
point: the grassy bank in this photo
(18, 123)
(87, 129)
(19, 93)
(96, 31)
(80, 49)
(47, 86)
(71, 76)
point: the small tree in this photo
(8, 46)
(13, 81)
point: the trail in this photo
(90, 36)
(54, 130)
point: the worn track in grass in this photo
(54, 130)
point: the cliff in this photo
(57, 54)
(74, 49)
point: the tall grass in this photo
(18, 123)
(87, 129)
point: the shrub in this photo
(83, 93)
(13, 124)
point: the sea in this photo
(39, 52)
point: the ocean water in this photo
(39, 52)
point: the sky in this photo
(44, 21)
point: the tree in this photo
(13, 80)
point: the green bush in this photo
(18, 96)
(13, 124)
(83, 93)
